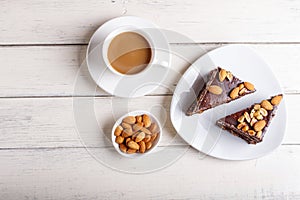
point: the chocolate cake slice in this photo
(251, 123)
(222, 87)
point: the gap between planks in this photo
(172, 43)
(104, 147)
(101, 96)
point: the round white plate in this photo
(201, 131)
(128, 86)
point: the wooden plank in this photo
(47, 22)
(54, 122)
(52, 70)
(73, 174)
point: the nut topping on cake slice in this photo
(251, 123)
(222, 87)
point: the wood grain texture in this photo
(48, 22)
(74, 174)
(43, 45)
(50, 122)
(52, 71)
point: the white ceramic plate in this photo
(200, 130)
(126, 86)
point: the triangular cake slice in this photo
(222, 87)
(251, 123)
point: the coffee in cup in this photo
(127, 52)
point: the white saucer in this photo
(128, 86)
(200, 130)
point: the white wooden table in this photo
(42, 45)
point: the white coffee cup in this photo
(123, 29)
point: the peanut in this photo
(229, 76)
(241, 86)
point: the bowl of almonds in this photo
(136, 134)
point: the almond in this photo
(131, 151)
(148, 145)
(234, 93)
(119, 139)
(127, 140)
(136, 127)
(153, 128)
(146, 121)
(214, 89)
(222, 75)
(147, 138)
(127, 133)
(125, 125)
(118, 131)
(142, 147)
(146, 131)
(276, 100)
(139, 119)
(153, 137)
(123, 148)
(140, 137)
(258, 126)
(266, 105)
(249, 86)
(133, 145)
(129, 120)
